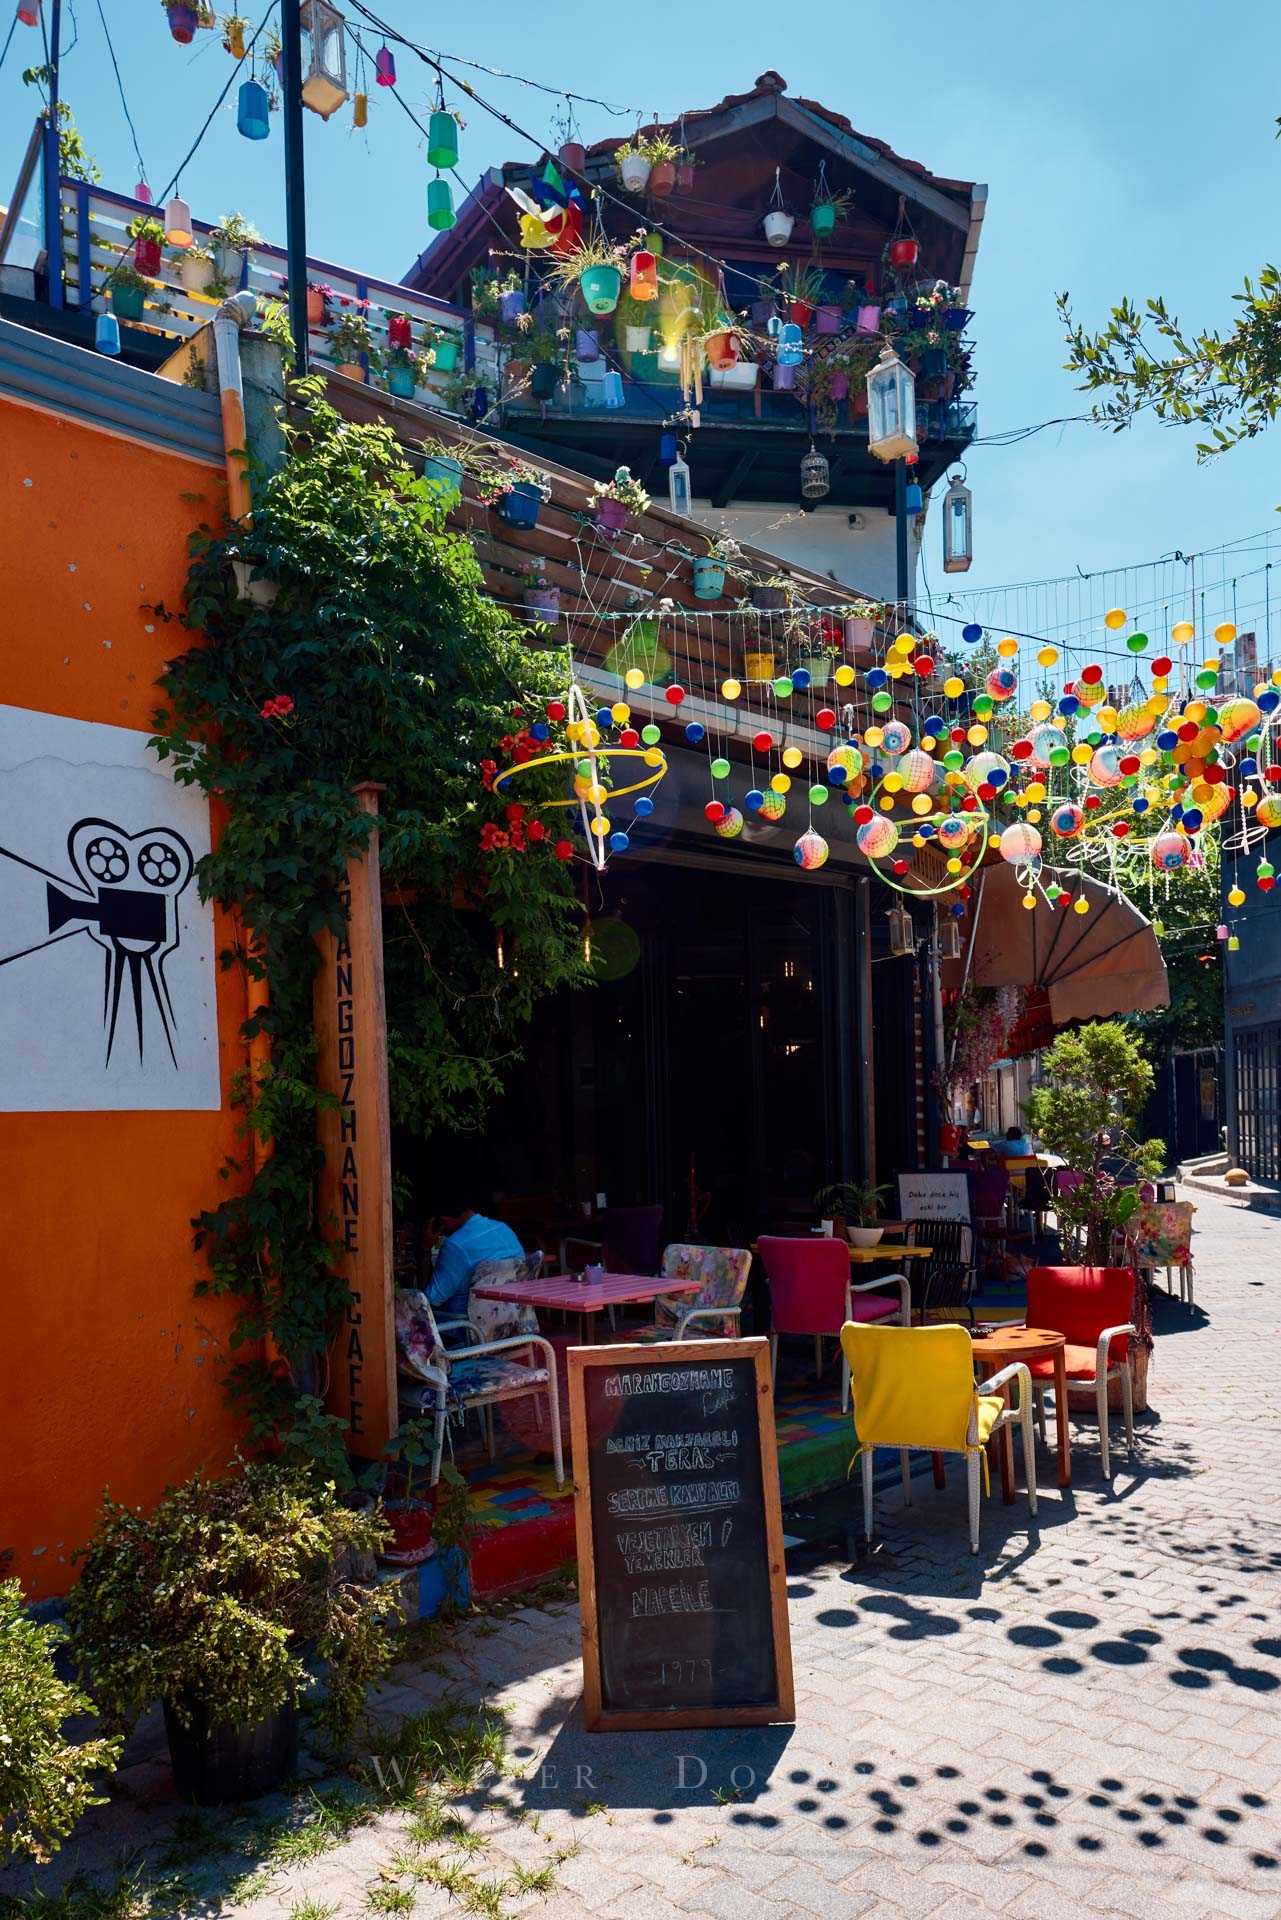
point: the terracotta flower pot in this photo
(316, 307)
(662, 177)
(573, 154)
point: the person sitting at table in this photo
(1015, 1145)
(469, 1238)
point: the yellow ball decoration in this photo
(1040, 710)
(921, 803)
(1047, 656)
(620, 713)
(730, 689)
(634, 678)
(597, 794)
(954, 865)
(653, 756)
(1148, 756)
(976, 735)
(1249, 798)
(886, 803)
(792, 756)
(1029, 901)
(1035, 790)
(1236, 897)
(1107, 718)
(905, 643)
(954, 687)
(1181, 632)
(590, 734)
(1081, 904)
(1034, 816)
(1224, 634)
(1082, 754)
(874, 736)
(1276, 676)
(1008, 647)
(600, 826)
(844, 675)
(918, 839)
(781, 783)
(893, 783)
(1114, 619)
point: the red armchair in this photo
(1091, 1307)
(811, 1291)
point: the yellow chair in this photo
(914, 1387)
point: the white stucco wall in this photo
(861, 556)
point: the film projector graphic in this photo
(124, 898)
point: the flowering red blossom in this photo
(564, 851)
(515, 811)
(536, 831)
(278, 707)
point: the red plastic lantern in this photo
(644, 275)
(146, 255)
(904, 252)
(399, 333)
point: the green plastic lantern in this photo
(442, 140)
(440, 205)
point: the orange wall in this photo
(111, 1369)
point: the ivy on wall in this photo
(381, 658)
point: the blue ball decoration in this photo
(754, 799)
(876, 771)
(876, 677)
(1267, 701)
(836, 777)
(935, 727)
(1167, 739)
(1068, 705)
(540, 730)
(619, 843)
(1193, 818)
(695, 732)
(957, 909)
(997, 777)
(604, 718)
(973, 633)
(643, 807)
(1140, 805)
(800, 678)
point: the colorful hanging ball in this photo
(1181, 632)
(754, 799)
(674, 695)
(564, 850)
(844, 763)
(1268, 811)
(1137, 642)
(714, 811)
(810, 851)
(896, 737)
(783, 686)
(695, 732)
(731, 689)
(773, 805)
(1001, 683)
(981, 768)
(1105, 767)
(1265, 876)
(1237, 718)
(1169, 852)
(619, 842)
(972, 633)
(555, 709)
(644, 807)
(720, 768)
(651, 735)
(801, 677)
(1019, 843)
(825, 719)
(1067, 820)
(1049, 746)
(818, 795)
(954, 832)
(730, 824)
(1114, 619)
(916, 771)
(634, 677)
(1134, 723)
(877, 837)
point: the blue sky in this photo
(1127, 149)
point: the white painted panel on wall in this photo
(107, 988)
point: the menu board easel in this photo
(682, 1581)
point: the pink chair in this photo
(811, 1291)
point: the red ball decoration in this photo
(1091, 675)
(714, 811)
(762, 741)
(1189, 730)
(969, 804)
(1092, 802)
(1162, 664)
(1274, 775)
(629, 737)
(555, 709)
(1130, 764)
(986, 790)
(862, 815)
(957, 736)
(674, 696)
(900, 866)
(923, 665)
(1021, 750)
(1120, 828)
(825, 718)
(564, 850)
(1266, 882)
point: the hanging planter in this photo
(840, 384)
(709, 578)
(511, 304)
(829, 320)
(586, 345)
(636, 339)
(955, 318)
(401, 377)
(183, 21)
(869, 319)
(721, 349)
(543, 381)
(601, 287)
(633, 169)
(784, 377)
(610, 516)
(253, 111)
(778, 227)
(818, 666)
(399, 331)
(543, 601)
(643, 275)
(520, 504)
(128, 297)
(905, 251)
(758, 663)
(572, 154)
(442, 140)
(860, 632)
(822, 219)
(444, 356)
(740, 378)
(800, 311)
(385, 67)
(612, 501)
(196, 270)
(444, 475)
(768, 599)
(146, 252)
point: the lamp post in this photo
(295, 181)
(52, 169)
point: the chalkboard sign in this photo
(934, 1196)
(680, 1536)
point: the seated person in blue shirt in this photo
(469, 1238)
(1015, 1145)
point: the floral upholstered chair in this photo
(1161, 1236)
(714, 1311)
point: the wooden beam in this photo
(954, 212)
(730, 485)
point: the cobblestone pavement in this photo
(1082, 1720)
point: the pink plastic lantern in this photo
(385, 67)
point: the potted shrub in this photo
(803, 291)
(710, 569)
(408, 1504)
(405, 372)
(854, 1206)
(443, 472)
(183, 20)
(214, 1603)
(231, 239)
(515, 490)
(612, 501)
(128, 291)
(633, 166)
(860, 619)
(348, 341)
(772, 594)
(148, 236)
(663, 153)
(816, 648)
(197, 269)
(827, 209)
(46, 1779)
(595, 268)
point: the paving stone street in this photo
(1081, 1720)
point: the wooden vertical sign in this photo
(355, 1137)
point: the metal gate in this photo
(1258, 1100)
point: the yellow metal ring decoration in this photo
(584, 753)
(591, 801)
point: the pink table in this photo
(562, 1294)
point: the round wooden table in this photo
(1000, 1348)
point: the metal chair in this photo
(947, 1278)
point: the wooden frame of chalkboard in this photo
(750, 1665)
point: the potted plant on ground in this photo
(214, 1604)
(148, 236)
(515, 490)
(128, 291)
(409, 1502)
(47, 1780)
(612, 501)
(197, 269)
(633, 165)
(351, 339)
(231, 239)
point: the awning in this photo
(1090, 964)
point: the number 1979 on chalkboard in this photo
(680, 1536)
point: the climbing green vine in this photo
(381, 658)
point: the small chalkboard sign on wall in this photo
(680, 1536)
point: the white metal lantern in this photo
(949, 939)
(678, 490)
(891, 408)
(902, 932)
(324, 57)
(958, 524)
(816, 478)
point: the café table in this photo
(997, 1347)
(865, 1256)
(560, 1292)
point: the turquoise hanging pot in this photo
(440, 205)
(601, 287)
(442, 140)
(253, 111)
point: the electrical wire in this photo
(120, 87)
(195, 146)
(7, 39)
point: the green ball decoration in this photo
(720, 769)
(818, 796)
(1059, 757)
(1137, 642)
(954, 760)
(650, 735)
(983, 706)
(1206, 678)
(1253, 744)
(783, 686)
(882, 702)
